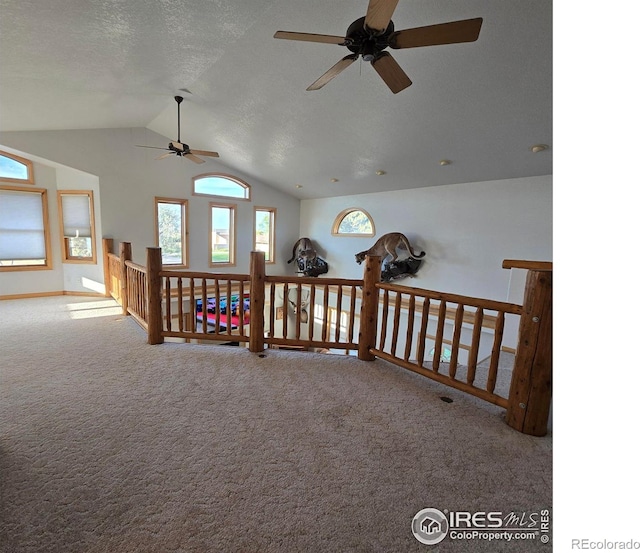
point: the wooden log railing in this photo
(304, 312)
(185, 299)
(137, 291)
(415, 323)
(112, 271)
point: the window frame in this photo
(23, 161)
(246, 186)
(272, 231)
(341, 216)
(64, 241)
(48, 261)
(184, 231)
(232, 234)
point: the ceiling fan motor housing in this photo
(185, 148)
(367, 42)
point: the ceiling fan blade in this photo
(193, 158)
(205, 153)
(333, 72)
(454, 32)
(391, 72)
(152, 147)
(379, 14)
(178, 146)
(310, 37)
(165, 155)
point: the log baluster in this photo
(455, 343)
(495, 353)
(410, 322)
(475, 345)
(437, 350)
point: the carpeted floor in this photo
(108, 444)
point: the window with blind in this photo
(77, 232)
(24, 237)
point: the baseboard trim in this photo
(49, 294)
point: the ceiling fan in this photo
(370, 35)
(180, 148)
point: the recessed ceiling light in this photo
(444, 162)
(298, 186)
(380, 172)
(335, 180)
(539, 148)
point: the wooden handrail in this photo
(198, 274)
(136, 266)
(335, 282)
(492, 305)
(530, 265)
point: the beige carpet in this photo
(108, 444)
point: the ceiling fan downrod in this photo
(178, 99)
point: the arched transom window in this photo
(14, 168)
(218, 184)
(353, 222)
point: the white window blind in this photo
(21, 226)
(76, 215)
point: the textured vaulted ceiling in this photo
(82, 64)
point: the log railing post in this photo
(154, 296)
(125, 255)
(530, 392)
(256, 293)
(369, 308)
(107, 248)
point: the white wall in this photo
(467, 230)
(128, 179)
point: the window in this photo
(15, 169)
(77, 230)
(171, 231)
(222, 240)
(264, 232)
(218, 184)
(24, 223)
(353, 222)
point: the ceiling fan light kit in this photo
(370, 35)
(181, 149)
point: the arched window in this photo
(218, 184)
(353, 222)
(14, 168)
